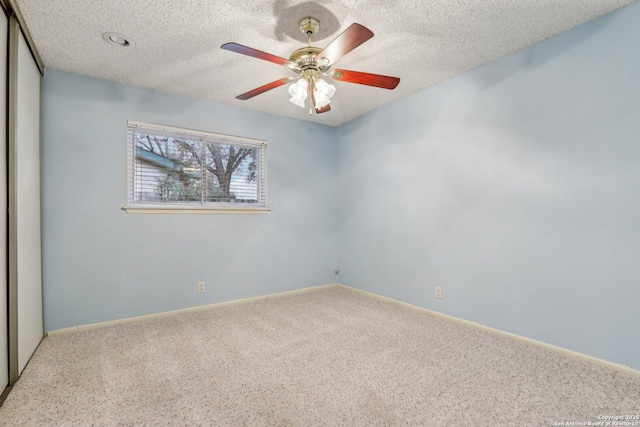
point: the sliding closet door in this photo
(4, 337)
(30, 322)
(25, 269)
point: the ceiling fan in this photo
(311, 64)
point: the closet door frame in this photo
(4, 288)
(12, 95)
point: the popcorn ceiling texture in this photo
(332, 356)
(177, 43)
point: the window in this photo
(187, 170)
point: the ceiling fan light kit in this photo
(323, 92)
(298, 92)
(312, 66)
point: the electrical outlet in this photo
(201, 287)
(438, 292)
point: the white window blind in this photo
(190, 168)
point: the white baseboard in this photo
(574, 354)
(571, 353)
(182, 310)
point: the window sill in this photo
(194, 210)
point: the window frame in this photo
(203, 207)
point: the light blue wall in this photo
(101, 263)
(515, 187)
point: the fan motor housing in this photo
(307, 59)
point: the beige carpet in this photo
(331, 356)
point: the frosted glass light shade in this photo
(298, 92)
(323, 93)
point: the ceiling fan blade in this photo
(263, 89)
(238, 48)
(350, 39)
(313, 102)
(368, 79)
(323, 109)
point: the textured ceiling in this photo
(176, 44)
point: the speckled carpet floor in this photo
(331, 356)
